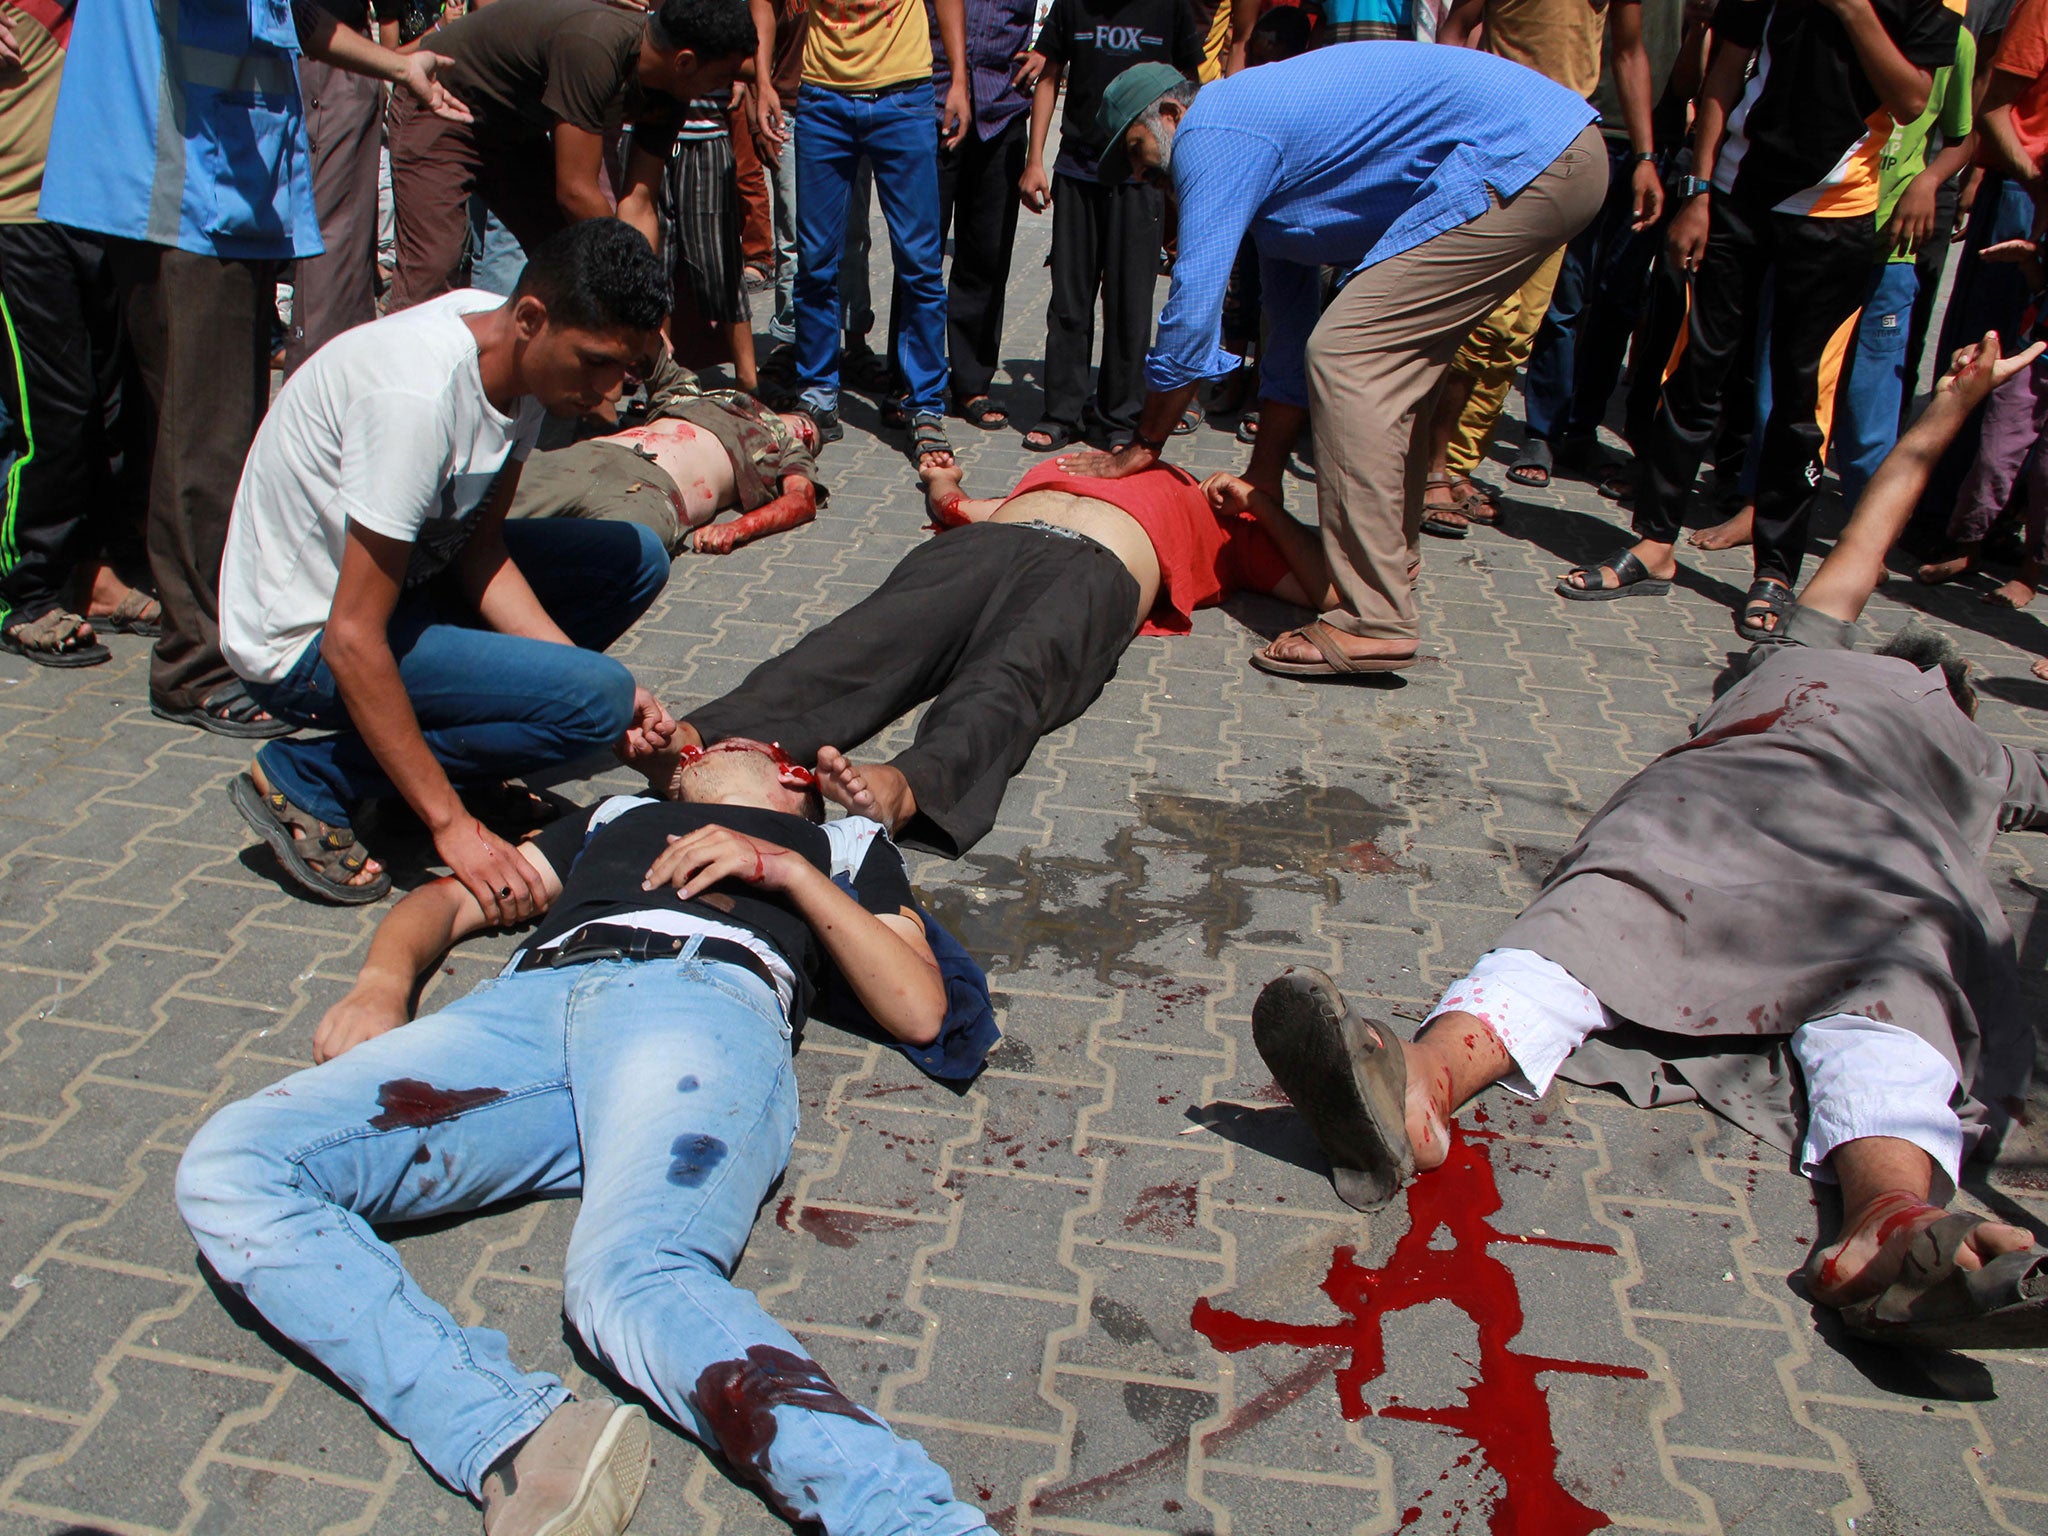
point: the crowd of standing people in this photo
(509, 263)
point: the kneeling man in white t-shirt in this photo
(373, 590)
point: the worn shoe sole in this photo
(1346, 1075)
(613, 1479)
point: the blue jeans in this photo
(899, 136)
(664, 1093)
(1867, 403)
(491, 706)
(1601, 288)
(496, 259)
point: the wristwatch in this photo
(1643, 157)
(1693, 186)
(1153, 445)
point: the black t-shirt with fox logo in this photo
(1093, 43)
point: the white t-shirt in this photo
(386, 426)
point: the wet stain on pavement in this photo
(1098, 915)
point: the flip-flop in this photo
(1631, 579)
(1346, 1075)
(1937, 1304)
(1335, 663)
(1534, 465)
(46, 648)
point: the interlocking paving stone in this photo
(1010, 1272)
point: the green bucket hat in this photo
(1129, 94)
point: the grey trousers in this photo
(1375, 361)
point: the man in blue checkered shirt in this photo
(1435, 180)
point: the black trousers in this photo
(200, 326)
(79, 420)
(1107, 239)
(1009, 629)
(978, 205)
(1823, 272)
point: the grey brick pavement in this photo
(1018, 1289)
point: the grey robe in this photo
(1816, 848)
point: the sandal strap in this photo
(1628, 570)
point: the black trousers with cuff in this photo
(1823, 272)
(1009, 629)
(1104, 239)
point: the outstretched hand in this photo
(421, 70)
(1977, 370)
(699, 861)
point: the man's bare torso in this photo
(695, 460)
(1108, 525)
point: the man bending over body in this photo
(635, 1050)
(1011, 624)
(1802, 883)
(698, 453)
(372, 591)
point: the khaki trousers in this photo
(1377, 357)
(1491, 356)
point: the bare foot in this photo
(2040, 669)
(1957, 566)
(297, 820)
(1428, 1121)
(1873, 1247)
(877, 791)
(1737, 531)
(2018, 592)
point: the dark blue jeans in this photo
(900, 138)
(1601, 288)
(491, 706)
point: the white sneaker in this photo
(579, 1474)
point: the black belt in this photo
(615, 941)
(881, 95)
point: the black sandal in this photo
(896, 415)
(980, 411)
(1533, 465)
(1056, 435)
(1631, 579)
(1766, 596)
(227, 711)
(311, 858)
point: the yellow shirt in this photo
(867, 45)
(1558, 38)
(28, 102)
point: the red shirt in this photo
(1203, 558)
(2024, 52)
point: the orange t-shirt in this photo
(2024, 52)
(1203, 558)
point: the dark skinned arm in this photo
(1459, 23)
(1726, 72)
(637, 199)
(957, 114)
(1901, 84)
(325, 40)
(356, 646)
(1308, 573)
(1855, 565)
(578, 192)
(1994, 123)
(1632, 85)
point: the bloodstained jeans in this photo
(663, 1092)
